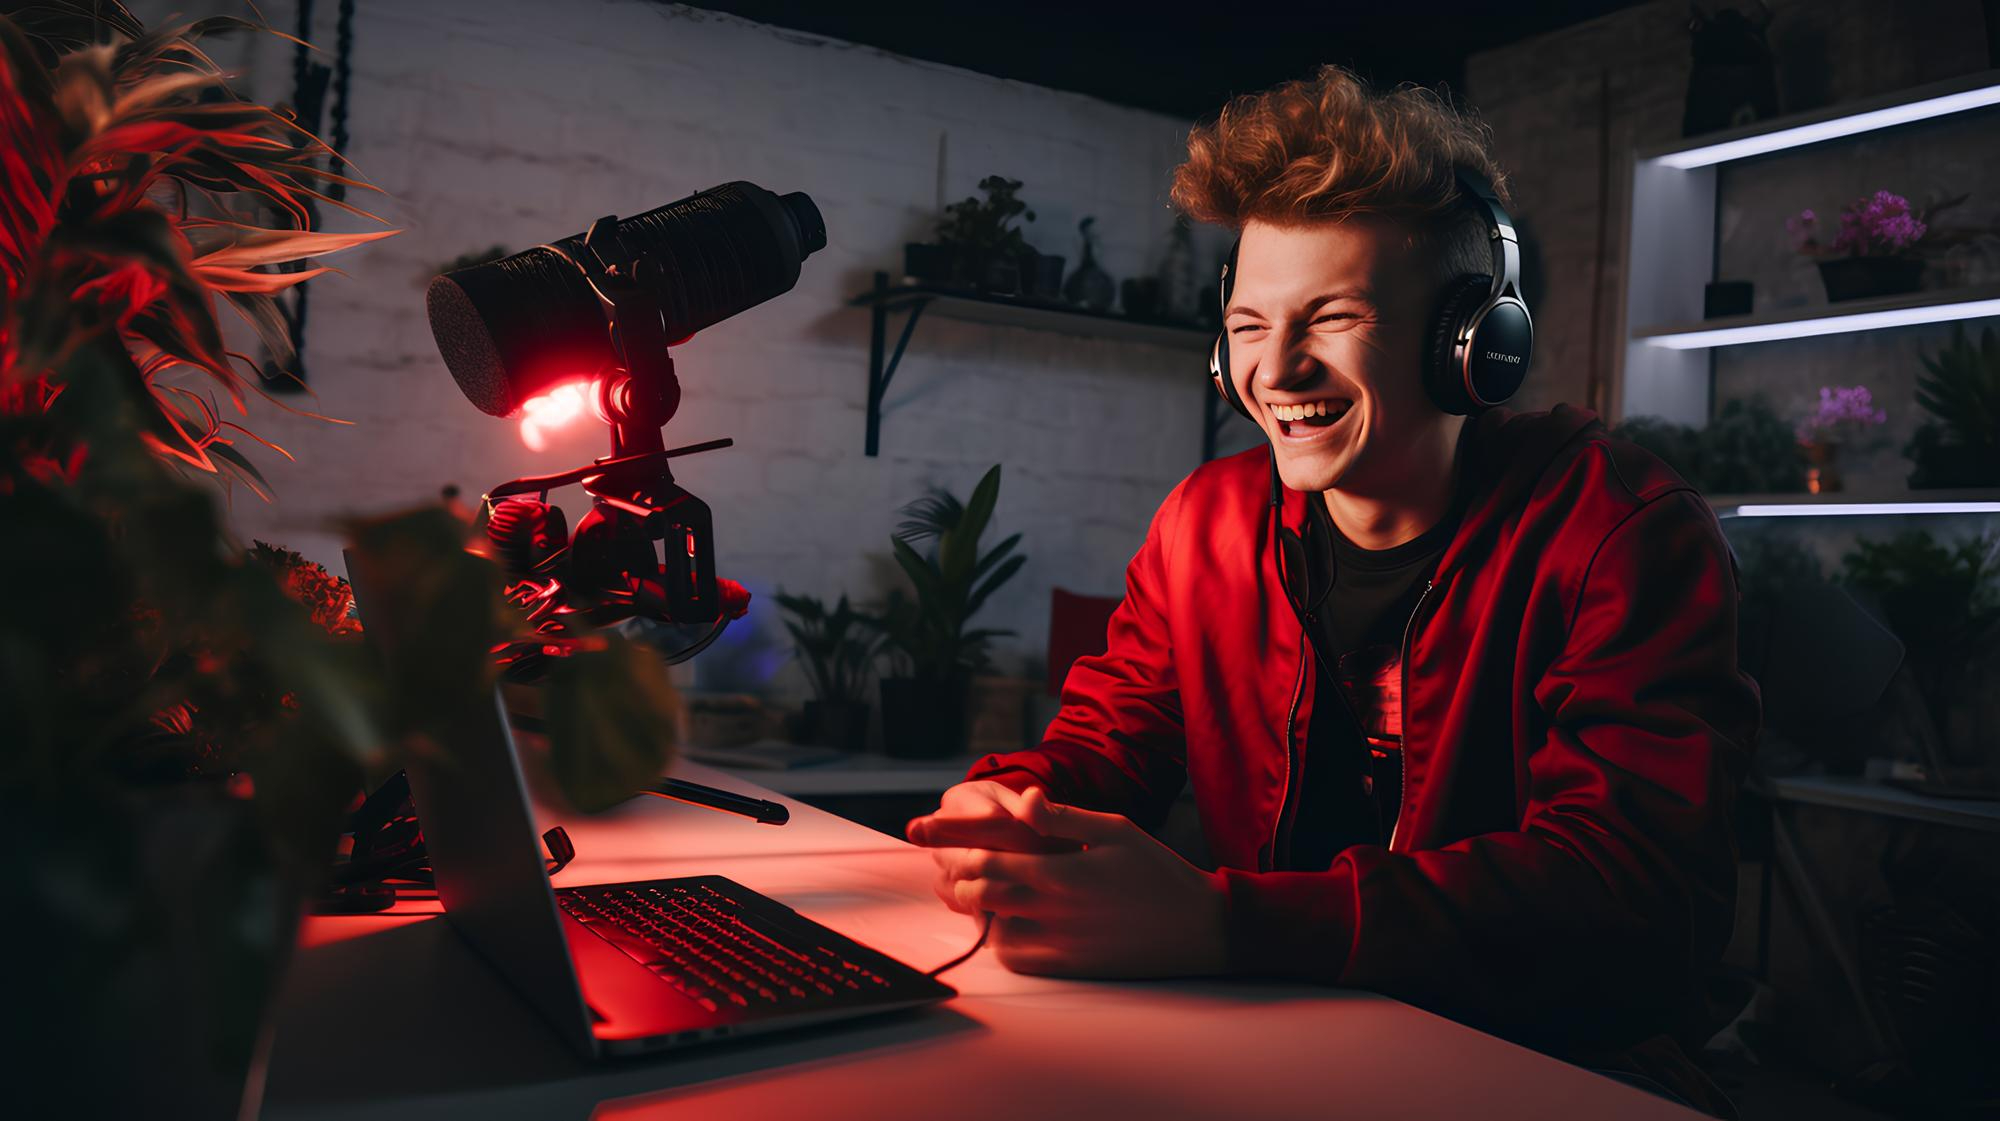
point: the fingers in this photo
(1054, 820)
(993, 832)
(990, 864)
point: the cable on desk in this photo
(985, 928)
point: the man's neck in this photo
(1420, 497)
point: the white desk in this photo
(388, 1017)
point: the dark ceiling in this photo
(1186, 64)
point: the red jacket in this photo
(1575, 728)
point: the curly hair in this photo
(1328, 147)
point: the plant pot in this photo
(1139, 297)
(924, 718)
(1855, 278)
(924, 263)
(841, 724)
(1000, 275)
(1041, 275)
(1823, 466)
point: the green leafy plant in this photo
(1960, 445)
(1942, 600)
(929, 633)
(836, 646)
(1746, 449)
(985, 228)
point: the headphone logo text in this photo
(1496, 355)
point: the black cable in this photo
(985, 929)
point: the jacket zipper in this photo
(1285, 791)
(1403, 756)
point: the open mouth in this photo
(1311, 420)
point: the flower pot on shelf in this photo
(841, 724)
(1823, 466)
(1856, 278)
(924, 263)
(1000, 275)
(924, 718)
(1041, 275)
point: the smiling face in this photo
(1326, 328)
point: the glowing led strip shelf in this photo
(1813, 132)
(1774, 506)
(1822, 322)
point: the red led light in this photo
(546, 412)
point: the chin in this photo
(1311, 471)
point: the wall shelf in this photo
(1855, 504)
(1797, 130)
(1665, 367)
(1827, 319)
(1038, 315)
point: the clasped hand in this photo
(1073, 892)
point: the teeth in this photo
(1301, 412)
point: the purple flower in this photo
(1877, 225)
(1844, 411)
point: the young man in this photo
(1462, 715)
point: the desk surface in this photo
(392, 1016)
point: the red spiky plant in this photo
(137, 194)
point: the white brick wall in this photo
(517, 122)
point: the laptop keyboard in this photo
(710, 947)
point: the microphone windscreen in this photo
(509, 329)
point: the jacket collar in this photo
(1501, 453)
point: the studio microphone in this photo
(512, 328)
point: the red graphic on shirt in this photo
(1372, 680)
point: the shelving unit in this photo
(1664, 369)
(915, 299)
(1842, 504)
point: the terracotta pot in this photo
(1822, 466)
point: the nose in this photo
(1287, 362)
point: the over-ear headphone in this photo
(1481, 337)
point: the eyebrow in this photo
(1362, 295)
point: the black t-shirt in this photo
(1349, 789)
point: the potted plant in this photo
(1960, 445)
(1943, 601)
(1745, 449)
(934, 650)
(836, 647)
(1878, 250)
(987, 247)
(185, 720)
(1844, 417)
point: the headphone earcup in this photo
(1444, 379)
(1218, 369)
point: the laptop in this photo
(629, 968)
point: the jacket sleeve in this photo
(1597, 913)
(1117, 744)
